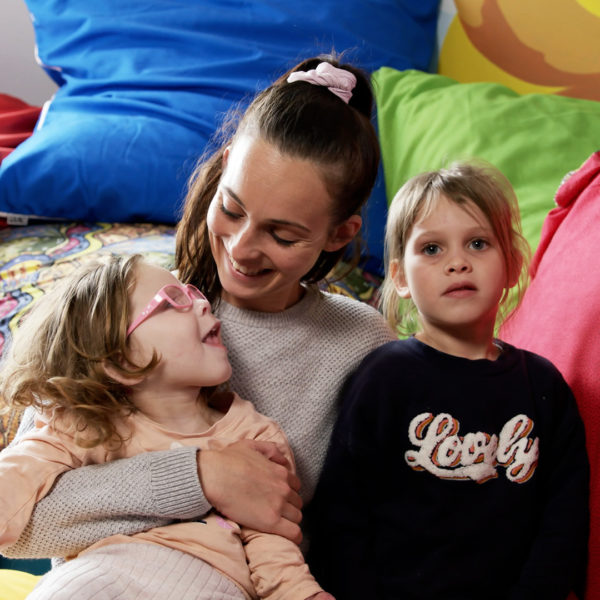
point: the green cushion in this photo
(427, 121)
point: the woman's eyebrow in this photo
(231, 193)
(238, 200)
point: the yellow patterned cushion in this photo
(16, 585)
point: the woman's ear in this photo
(119, 376)
(225, 158)
(343, 234)
(399, 279)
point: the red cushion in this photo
(17, 121)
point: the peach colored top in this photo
(262, 565)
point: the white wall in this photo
(20, 75)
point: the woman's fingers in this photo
(248, 483)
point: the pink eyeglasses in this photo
(178, 296)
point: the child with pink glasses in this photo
(119, 360)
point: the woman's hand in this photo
(321, 596)
(250, 483)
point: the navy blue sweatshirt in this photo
(451, 478)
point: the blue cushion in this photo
(143, 85)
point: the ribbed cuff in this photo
(176, 488)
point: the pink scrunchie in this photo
(338, 81)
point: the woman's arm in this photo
(125, 496)
(149, 490)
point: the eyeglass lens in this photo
(179, 297)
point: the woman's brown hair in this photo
(303, 121)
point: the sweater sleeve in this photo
(556, 563)
(125, 496)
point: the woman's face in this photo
(268, 222)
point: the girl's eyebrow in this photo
(283, 222)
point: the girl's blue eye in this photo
(431, 249)
(479, 244)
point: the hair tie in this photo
(338, 81)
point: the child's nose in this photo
(458, 264)
(202, 306)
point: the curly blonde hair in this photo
(57, 359)
(465, 182)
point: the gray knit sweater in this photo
(290, 364)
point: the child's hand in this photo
(321, 596)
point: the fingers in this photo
(291, 513)
(270, 451)
(243, 483)
(294, 483)
(289, 530)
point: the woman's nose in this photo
(243, 244)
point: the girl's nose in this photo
(458, 264)
(202, 306)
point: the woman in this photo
(267, 216)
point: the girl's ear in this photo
(120, 377)
(343, 234)
(397, 275)
(513, 278)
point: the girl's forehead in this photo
(444, 214)
(148, 279)
(438, 204)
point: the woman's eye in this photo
(282, 241)
(479, 244)
(431, 249)
(227, 212)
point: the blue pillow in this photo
(144, 84)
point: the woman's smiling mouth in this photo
(243, 270)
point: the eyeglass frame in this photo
(160, 298)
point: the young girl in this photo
(457, 467)
(120, 360)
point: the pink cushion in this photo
(559, 317)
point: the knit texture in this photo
(92, 503)
(291, 366)
(136, 572)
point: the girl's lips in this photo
(458, 290)
(213, 337)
